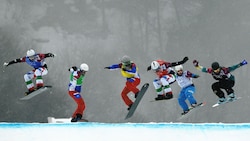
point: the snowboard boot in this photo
(136, 94)
(129, 106)
(160, 97)
(29, 91)
(168, 96)
(231, 97)
(185, 112)
(76, 118)
(194, 105)
(38, 86)
(222, 100)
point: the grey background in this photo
(100, 32)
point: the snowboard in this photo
(161, 100)
(63, 120)
(216, 105)
(36, 92)
(191, 110)
(137, 100)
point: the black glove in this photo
(185, 59)
(196, 63)
(149, 68)
(74, 68)
(196, 76)
(51, 55)
(106, 67)
(224, 77)
(123, 69)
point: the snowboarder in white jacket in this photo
(184, 80)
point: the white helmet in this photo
(179, 67)
(84, 67)
(30, 52)
(155, 65)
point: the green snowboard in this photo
(137, 100)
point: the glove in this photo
(244, 62)
(196, 76)
(224, 77)
(51, 55)
(196, 63)
(106, 67)
(149, 68)
(6, 64)
(123, 69)
(185, 59)
(131, 79)
(74, 68)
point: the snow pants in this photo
(223, 84)
(130, 86)
(162, 85)
(79, 101)
(186, 93)
(37, 73)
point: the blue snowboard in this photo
(137, 100)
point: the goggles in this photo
(157, 70)
(31, 57)
(180, 71)
(216, 70)
(127, 64)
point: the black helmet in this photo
(215, 65)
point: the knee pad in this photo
(28, 76)
(77, 95)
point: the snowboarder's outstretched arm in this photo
(199, 67)
(190, 74)
(114, 66)
(49, 55)
(19, 60)
(234, 67)
(184, 60)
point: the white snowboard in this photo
(216, 105)
(36, 92)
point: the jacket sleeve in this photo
(19, 60)
(184, 60)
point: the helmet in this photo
(126, 60)
(215, 65)
(84, 67)
(155, 65)
(30, 52)
(179, 67)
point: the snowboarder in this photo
(225, 79)
(184, 80)
(165, 77)
(130, 72)
(75, 85)
(37, 61)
